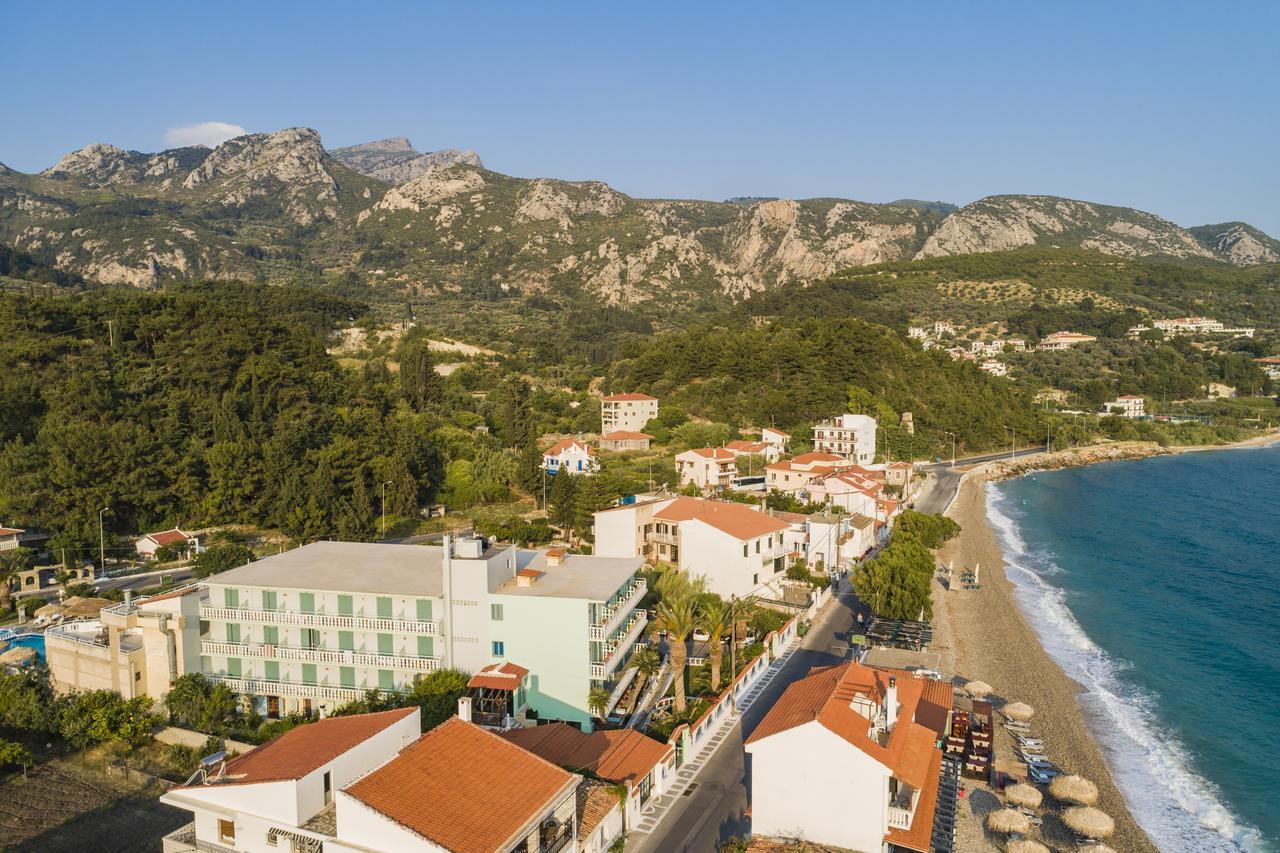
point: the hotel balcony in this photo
(259, 687)
(339, 656)
(612, 615)
(318, 620)
(619, 643)
(899, 818)
(662, 538)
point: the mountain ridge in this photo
(278, 205)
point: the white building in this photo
(707, 467)
(1189, 326)
(148, 545)
(1130, 406)
(944, 327)
(1063, 340)
(573, 455)
(627, 412)
(373, 782)
(735, 547)
(794, 475)
(863, 743)
(745, 447)
(854, 490)
(851, 436)
(776, 438)
(917, 333)
(318, 626)
(995, 367)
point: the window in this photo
(347, 676)
(744, 549)
(384, 608)
(308, 673)
(755, 578)
(328, 787)
(307, 602)
(233, 632)
(137, 676)
(757, 546)
(346, 641)
(231, 598)
(268, 599)
(271, 670)
(226, 831)
(233, 667)
(495, 612)
(271, 635)
(424, 610)
(386, 679)
(385, 642)
(345, 606)
(499, 650)
(310, 638)
(426, 647)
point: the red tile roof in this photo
(309, 747)
(825, 696)
(595, 803)
(567, 443)
(625, 435)
(717, 453)
(619, 398)
(499, 676)
(920, 834)
(738, 520)
(10, 531)
(464, 788)
(816, 456)
(167, 537)
(744, 446)
(618, 755)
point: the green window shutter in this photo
(308, 673)
(345, 606)
(231, 597)
(386, 679)
(425, 647)
(268, 599)
(307, 602)
(424, 610)
(271, 670)
(384, 608)
(347, 676)
(233, 632)
(271, 635)
(233, 667)
(385, 644)
(495, 612)
(346, 641)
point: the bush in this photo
(220, 558)
(181, 759)
(929, 530)
(14, 754)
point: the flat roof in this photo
(582, 576)
(348, 567)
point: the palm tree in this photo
(598, 701)
(647, 661)
(714, 618)
(677, 616)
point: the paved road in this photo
(716, 810)
(945, 480)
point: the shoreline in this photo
(984, 635)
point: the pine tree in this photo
(561, 504)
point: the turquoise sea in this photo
(1156, 585)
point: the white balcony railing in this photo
(663, 538)
(319, 620)
(612, 616)
(899, 818)
(616, 649)
(339, 656)
(257, 687)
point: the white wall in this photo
(717, 556)
(365, 829)
(810, 783)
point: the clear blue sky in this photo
(1174, 110)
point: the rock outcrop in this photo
(396, 161)
(1238, 243)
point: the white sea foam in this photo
(1179, 809)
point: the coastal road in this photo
(716, 808)
(945, 480)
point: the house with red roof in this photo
(627, 411)
(707, 467)
(148, 545)
(864, 740)
(572, 455)
(793, 475)
(622, 439)
(735, 547)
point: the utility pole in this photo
(733, 638)
(384, 508)
(102, 542)
(1013, 450)
(111, 333)
(953, 447)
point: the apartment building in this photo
(744, 447)
(627, 412)
(794, 475)
(622, 440)
(1059, 341)
(850, 436)
(312, 628)
(776, 438)
(735, 547)
(375, 782)
(865, 742)
(1128, 405)
(707, 467)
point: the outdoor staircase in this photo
(943, 839)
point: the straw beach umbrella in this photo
(1089, 821)
(1096, 848)
(1018, 711)
(1026, 845)
(978, 688)
(1024, 795)
(1008, 821)
(1074, 789)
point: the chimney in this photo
(891, 703)
(555, 556)
(464, 708)
(128, 600)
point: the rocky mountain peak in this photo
(396, 161)
(1238, 243)
(98, 164)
